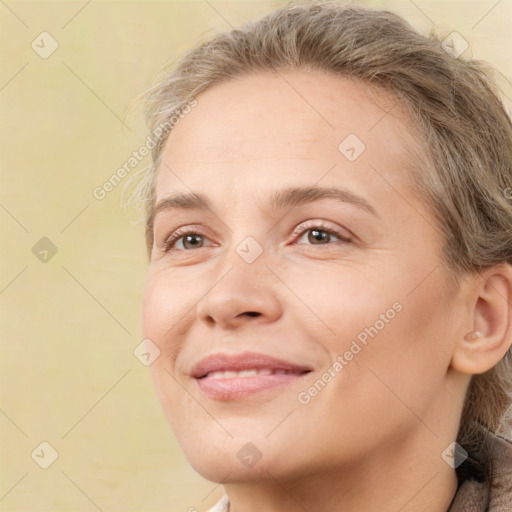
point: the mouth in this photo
(253, 372)
(233, 377)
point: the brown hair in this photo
(464, 129)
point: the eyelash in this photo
(298, 232)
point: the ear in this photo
(489, 337)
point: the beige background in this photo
(69, 325)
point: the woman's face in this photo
(347, 285)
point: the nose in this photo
(244, 293)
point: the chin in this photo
(226, 468)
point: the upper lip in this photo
(243, 361)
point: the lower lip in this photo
(240, 387)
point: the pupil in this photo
(189, 239)
(318, 235)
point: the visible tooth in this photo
(248, 373)
(252, 372)
(216, 375)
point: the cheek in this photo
(405, 359)
(394, 353)
(341, 304)
(381, 321)
(164, 308)
(153, 306)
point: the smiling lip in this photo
(271, 373)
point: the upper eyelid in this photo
(186, 231)
(322, 224)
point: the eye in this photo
(187, 238)
(316, 234)
(319, 234)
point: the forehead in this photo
(291, 125)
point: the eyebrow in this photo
(286, 198)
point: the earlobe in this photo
(483, 347)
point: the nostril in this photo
(252, 313)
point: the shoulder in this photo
(494, 493)
(500, 485)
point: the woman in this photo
(329, 286)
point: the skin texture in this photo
(372, 438)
